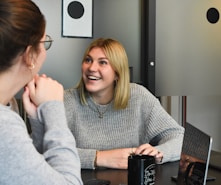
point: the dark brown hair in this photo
(21, 24)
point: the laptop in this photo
(195, 156)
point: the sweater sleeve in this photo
(87, 157)
(37, 134)
(165, 133)
(59, 162)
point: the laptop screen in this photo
(195, 156)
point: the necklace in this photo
(101, 113)
(100, 110)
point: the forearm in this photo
(59, 148)
(116, 158)
(37, 134)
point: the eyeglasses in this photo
(47, 42)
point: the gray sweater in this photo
(143, 121)
(55, 163)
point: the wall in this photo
(187, 48)
(188, 61)
(204, 113)
(119, 19)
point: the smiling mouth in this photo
(93, 78)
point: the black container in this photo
(141, 170)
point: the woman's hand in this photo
(41, 89)
(116, 158)
(29, 106)
(147, 149)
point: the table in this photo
(163, 175)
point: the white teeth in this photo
(93, 78)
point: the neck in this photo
(6, 93)
(104, 96)
(11, 82)
(102, 99)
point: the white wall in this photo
(187, 48)
(188, 61)
(118, 19)
(204, 113)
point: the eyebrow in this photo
(98, 58)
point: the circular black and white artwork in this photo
(77, 18)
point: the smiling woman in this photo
(112, 118)
(98, 75)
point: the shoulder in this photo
(141, 95)
(71, 98)
(14, 105)
(71, 93)
(139, 90)
(9, 120)
(8, 114)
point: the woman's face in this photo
(98, 74)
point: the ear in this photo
(116, 77)
(28, 57)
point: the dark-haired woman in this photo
(50, 158)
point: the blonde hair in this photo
(117, 56)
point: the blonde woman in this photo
(112, 118)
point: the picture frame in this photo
(77, 18)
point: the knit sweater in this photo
(143, 121)
(54, 162)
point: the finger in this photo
(148, 152)
(141, 148)
(25, 94)
(154, 152)
(159, 157)
(132, 151)
(144, 149)
(29, 106)
(39, 81)
(31, 87)
(44, 75)
(159, 154)
(147, 149)
(26, 98)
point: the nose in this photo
(93, 66)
